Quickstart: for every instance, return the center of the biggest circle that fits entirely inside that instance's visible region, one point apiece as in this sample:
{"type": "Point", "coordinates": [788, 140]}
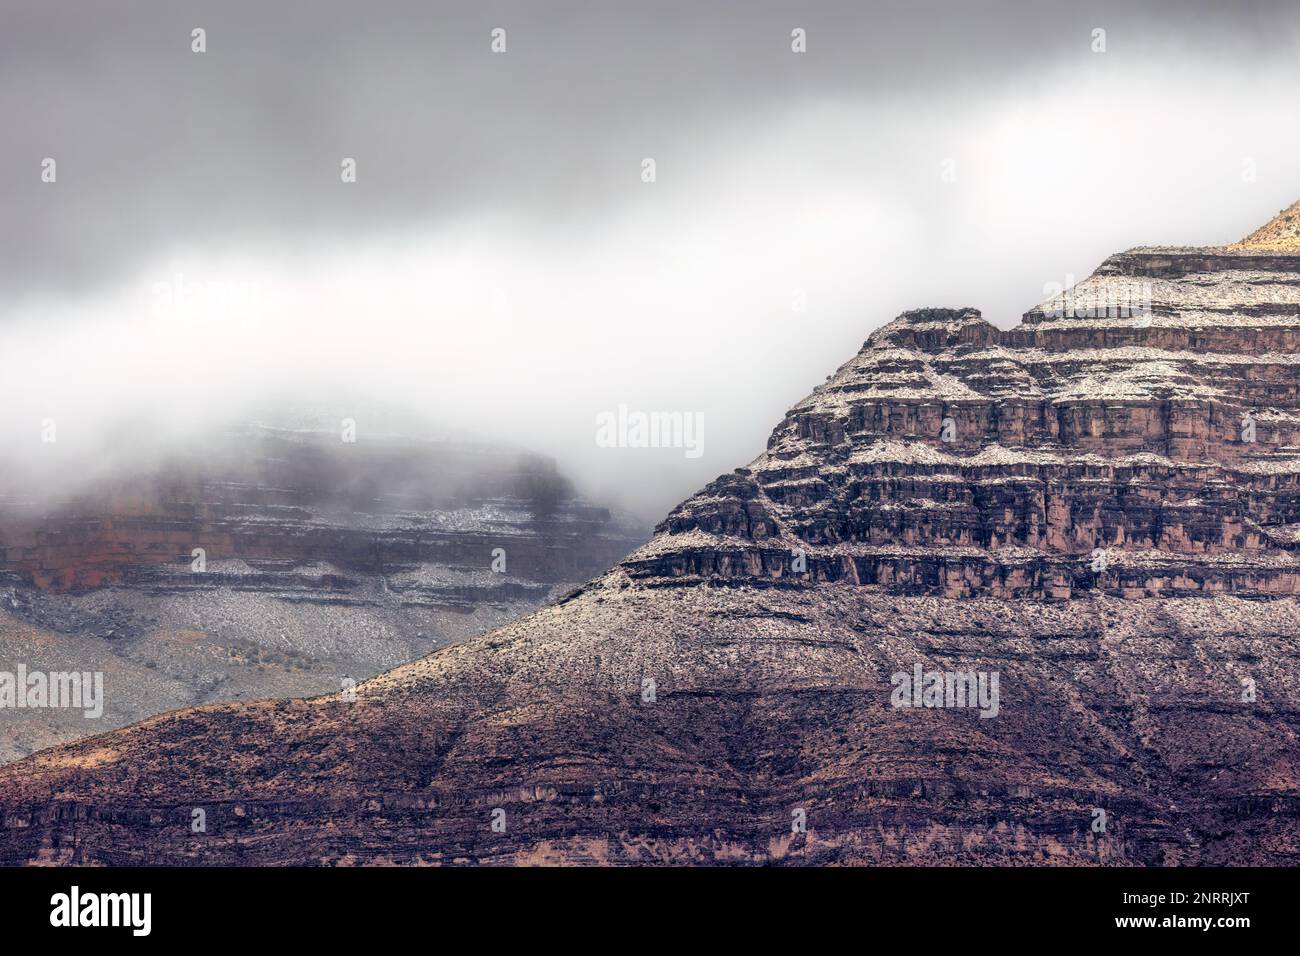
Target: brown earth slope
{"type": "Point", "coordinates": [1280, 232]}
{"type": "Point", "coordinates": [1101, 506]}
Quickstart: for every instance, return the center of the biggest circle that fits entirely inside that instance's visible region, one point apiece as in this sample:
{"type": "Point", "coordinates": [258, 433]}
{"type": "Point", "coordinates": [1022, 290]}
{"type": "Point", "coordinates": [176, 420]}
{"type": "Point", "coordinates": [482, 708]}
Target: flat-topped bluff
{"type": "Point", "coordinates": [1101, 510]}
{"type": "Point", "coordinates": [1139, 435]}
{"type": "Point", "coordinates": [270, 500]}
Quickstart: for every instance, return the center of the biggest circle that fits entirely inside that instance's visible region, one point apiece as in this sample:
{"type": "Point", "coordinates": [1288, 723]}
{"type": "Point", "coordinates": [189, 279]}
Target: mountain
{"type": "Point", "coordinates": [1022, 596]}
{"type": "Point", "coordinates": [321, 561]}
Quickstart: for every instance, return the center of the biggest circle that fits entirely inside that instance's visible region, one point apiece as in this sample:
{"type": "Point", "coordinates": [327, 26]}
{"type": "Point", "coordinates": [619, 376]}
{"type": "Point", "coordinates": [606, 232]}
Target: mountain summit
{"type": "Point", "coordinates": [988, 597]}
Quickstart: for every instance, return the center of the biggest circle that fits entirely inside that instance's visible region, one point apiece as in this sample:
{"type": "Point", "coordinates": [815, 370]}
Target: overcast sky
{"type": "Point", "coordinates": [501, 265]}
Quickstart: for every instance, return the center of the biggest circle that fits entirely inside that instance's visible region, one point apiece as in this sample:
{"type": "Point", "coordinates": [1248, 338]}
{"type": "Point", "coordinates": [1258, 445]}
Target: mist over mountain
{"type": "Point", "coordinates": [1020, 596]}
{"type": "Point", "coordinates": [562, 432]}
{"type": "Point", "coordinates": [290, 555]}
{"type": "Point", "coordinates": [500, 265]}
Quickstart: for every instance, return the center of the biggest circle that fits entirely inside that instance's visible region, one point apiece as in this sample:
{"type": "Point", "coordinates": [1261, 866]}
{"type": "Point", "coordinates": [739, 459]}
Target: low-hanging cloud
{"type": "Point", "coordinates": [500, 263]}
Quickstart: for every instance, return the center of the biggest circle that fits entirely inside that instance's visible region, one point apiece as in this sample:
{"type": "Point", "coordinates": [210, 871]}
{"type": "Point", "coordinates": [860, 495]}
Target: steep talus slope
{"type": "Point", "coordinates": [1100, 506]}
{"type": "Point", "coordinates": [1281, 232]}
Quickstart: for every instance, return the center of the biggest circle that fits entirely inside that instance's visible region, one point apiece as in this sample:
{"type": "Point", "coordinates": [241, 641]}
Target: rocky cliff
{"type": "Point", "coordinates": [278, 561]}
{"type": "Point", "coordinates": [1021, 596]}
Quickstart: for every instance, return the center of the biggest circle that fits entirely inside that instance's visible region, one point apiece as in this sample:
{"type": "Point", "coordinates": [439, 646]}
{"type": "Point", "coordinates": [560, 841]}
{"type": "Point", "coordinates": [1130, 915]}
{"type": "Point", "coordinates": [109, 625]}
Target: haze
{"type": "Point", "coordinates": [500, 265]}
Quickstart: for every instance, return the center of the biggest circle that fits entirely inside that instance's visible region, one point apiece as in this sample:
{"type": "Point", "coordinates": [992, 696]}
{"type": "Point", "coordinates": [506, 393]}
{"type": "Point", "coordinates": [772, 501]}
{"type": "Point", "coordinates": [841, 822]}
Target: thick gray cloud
{"type": "Point", "coordinates": [499, 261]}
{"type": "Point", "coordinates": [157, 145]}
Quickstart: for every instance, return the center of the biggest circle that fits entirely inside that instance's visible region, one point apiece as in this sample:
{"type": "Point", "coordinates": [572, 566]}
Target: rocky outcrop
{"type": "Point", "coordinates": [1078, 537]}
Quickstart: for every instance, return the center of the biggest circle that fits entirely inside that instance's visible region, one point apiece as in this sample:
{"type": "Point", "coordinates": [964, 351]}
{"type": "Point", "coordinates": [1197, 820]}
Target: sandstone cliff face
{"type": "Point", "coordinates": [322, 561]}
{"type": "Point", "coordinates": [1102, 510]}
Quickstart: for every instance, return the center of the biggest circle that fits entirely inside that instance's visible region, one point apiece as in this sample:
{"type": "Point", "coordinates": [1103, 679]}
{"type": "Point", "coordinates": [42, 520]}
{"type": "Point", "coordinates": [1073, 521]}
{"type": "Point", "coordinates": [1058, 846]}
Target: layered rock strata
{"type": "Point", "coordinates": [1099, 508]}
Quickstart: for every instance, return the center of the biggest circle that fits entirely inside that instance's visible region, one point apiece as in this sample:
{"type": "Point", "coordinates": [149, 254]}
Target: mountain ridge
{"type": "Point", "coordinates": [1100, 506]}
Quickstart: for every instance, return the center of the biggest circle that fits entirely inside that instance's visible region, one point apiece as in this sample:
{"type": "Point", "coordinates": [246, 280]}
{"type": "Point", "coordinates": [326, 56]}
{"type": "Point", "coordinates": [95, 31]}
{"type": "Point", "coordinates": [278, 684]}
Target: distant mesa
{"type": "Point", "coordinates": [271, 560]}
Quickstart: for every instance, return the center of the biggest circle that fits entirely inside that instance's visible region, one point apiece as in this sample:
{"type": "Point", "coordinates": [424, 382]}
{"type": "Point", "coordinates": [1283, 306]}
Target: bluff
{"type": "Point", "coordinates": [1099, 507]}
